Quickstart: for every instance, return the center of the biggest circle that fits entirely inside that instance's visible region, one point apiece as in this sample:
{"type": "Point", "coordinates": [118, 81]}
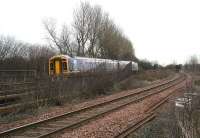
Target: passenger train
{"type": "Point", "coordinates": [64, 65]}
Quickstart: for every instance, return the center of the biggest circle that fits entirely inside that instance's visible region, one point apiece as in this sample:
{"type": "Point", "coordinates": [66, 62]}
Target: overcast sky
{"type": "Point", "coordinates": [160, 30]}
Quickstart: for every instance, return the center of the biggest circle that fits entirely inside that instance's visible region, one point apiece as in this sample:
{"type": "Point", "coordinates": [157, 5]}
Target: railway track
{"type": "Point", "coordinates": [13, 92]}
{"type": "Point", "coordinates": [15, 85]}
{"type": "Point", "coordinates": [16, 93]}
{"type": "Point", "coordinates": [81, 116]}
{"type": "Point", "coordinates": [150, 115]}
{"type": "Point", "coordinates": [136, 126]}
{"type": "Point", "coordinates": [9, 87]}
{"type": "Point", "coordinates": [11, 98]}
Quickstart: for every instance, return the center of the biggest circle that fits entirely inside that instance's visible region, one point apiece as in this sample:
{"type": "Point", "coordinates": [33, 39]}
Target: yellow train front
{"type": "Point", "coordinates": [58, 65]}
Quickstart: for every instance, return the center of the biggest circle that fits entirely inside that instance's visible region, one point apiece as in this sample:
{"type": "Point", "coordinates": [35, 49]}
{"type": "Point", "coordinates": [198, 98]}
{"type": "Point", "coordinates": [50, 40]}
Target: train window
{"type": "Point", "coordinates": [51, 66]}
{"type": "Point", "coordinates": [64, 65]}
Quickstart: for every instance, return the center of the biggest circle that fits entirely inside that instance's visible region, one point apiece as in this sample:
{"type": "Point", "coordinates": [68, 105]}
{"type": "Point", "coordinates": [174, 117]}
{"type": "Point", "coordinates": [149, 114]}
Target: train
{"type": "Point", "coordinates": [64, 65]}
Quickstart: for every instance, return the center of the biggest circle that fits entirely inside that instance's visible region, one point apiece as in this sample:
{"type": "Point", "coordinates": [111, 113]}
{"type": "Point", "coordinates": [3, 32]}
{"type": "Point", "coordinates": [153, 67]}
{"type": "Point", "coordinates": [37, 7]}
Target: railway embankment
{"type": "Point", "coordinates": [45, 111]}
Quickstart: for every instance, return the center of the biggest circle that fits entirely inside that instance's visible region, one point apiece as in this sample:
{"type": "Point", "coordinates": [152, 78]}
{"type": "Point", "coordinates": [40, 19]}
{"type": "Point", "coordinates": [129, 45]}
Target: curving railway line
{"type": "Point", "coordinates": [150, 115]}
{"type": "Point", "coordinates": [76, 118]}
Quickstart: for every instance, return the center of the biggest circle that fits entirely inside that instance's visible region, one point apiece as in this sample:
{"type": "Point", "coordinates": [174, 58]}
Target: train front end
{"type": "Point", "coordinates": [58, 65]}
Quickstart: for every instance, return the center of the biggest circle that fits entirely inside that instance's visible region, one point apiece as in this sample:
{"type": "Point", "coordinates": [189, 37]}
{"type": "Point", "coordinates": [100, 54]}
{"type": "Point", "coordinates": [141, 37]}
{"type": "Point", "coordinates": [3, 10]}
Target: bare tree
{"type": "Point", "coordinates": [113, 43]}
{"type": "Point", "coordinates": [81, 25]}
{"type": "Point", "coordinates": [96, 22]}
{"type": "Point", "coordinates": [105, 37]}
{"type": "Point", "coordinates": [65, 43]}
{"type": "Point", "coordinates": [94, 34]}
{"type": "Point", "coordinates": [62, 41]}
{"type": "Point", "coordinates": [38, 56]}
{"type": "Point", "coordinates": [6, 44]}
{"type": "Point", "coordinates": [193, 63]}
{"type": "Point", "coordinates": [126, 49]}
{"type": "Point", "coordinates": [19, 49]}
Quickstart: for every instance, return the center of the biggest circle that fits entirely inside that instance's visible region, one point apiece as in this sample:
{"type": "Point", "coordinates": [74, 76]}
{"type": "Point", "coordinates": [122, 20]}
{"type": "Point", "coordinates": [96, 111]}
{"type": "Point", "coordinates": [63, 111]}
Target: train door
{"type": "Point", "coordinates": [64, 67]}
{"type": "Point", "coordinates": [57, 67]}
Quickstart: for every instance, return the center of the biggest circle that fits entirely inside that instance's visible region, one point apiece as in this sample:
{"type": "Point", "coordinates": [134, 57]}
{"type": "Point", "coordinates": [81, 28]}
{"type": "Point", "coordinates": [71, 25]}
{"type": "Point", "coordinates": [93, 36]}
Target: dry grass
{"type": "Point", "coordinates": [76, 90]}
{"type": "Point", "coordinates": [153, 75]}
{"type": "Point", "coordinates": [141, 79]}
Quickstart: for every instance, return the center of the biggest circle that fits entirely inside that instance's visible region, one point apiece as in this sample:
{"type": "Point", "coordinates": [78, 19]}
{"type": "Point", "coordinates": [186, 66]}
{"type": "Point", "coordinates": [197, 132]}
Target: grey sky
{"type": "Point", "coordinates": [161, 30]}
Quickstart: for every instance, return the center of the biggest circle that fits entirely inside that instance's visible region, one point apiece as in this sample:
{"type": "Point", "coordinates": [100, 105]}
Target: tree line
{"type": "Point", "coordinates": [92, 34]}
{"type": "Point", "coordinates": [18, 55]}
{"type": "Point", "coordinates": [192, 64]}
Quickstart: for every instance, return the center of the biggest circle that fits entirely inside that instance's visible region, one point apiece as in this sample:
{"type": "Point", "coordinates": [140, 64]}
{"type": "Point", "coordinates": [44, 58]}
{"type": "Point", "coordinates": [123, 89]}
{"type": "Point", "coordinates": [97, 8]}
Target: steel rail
{"type": "Point", "coordinates": [15, 83]}
{"type": "Point", "coordinates": [98, 115]}
{"type": "Point", "coordinates": [150, 116]}
{"type": "Point", "coordinates": [18, 92]}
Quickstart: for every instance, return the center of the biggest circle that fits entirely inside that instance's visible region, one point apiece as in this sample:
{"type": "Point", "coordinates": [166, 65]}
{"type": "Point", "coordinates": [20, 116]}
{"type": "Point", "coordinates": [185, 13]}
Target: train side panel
{"type": "Point", "coordinates": [63, 64]}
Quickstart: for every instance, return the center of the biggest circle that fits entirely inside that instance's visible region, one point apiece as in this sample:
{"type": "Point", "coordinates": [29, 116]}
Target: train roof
{"type": "Point", "coordinates": [101, 59]}
{"type": "Point", "coordinates": [60, 56]}
{"type": "Point", "coordinates": [89, 59]}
